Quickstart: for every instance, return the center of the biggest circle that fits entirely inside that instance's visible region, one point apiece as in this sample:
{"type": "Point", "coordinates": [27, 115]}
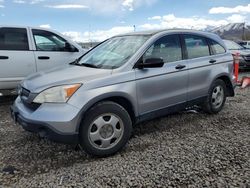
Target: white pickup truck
{"type": "Point", "coordinates": [26, 50]}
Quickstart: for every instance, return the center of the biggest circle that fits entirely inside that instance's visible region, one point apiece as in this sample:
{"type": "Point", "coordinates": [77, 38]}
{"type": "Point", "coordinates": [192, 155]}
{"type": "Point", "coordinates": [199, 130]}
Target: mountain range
{"type": "Point", "coordinates": [233, 31]}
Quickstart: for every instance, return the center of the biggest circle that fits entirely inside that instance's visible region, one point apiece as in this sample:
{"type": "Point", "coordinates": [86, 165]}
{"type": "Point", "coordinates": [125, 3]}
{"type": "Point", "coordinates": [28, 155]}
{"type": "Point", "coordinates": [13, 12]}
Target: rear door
{"type": "Point", "coordinates": [159, 88]}
{"type": "Point", "coordinates": [16, 57]}
{"type": "Point", "coordinates": [51, 50]}
{"type": "Point", "coordinates": [201, 60]}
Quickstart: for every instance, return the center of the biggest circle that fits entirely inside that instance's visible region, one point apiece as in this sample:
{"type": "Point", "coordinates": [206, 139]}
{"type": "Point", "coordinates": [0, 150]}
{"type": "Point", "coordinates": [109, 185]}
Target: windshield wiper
{"type": "Point", "coordinates": [87, 65]}
{"type": "Point", "coordinates": [83, 64]}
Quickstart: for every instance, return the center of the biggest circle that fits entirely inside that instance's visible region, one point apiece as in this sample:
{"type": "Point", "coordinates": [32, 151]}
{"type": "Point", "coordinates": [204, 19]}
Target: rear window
{"type": "Point", "coordinates": [13, 39]}
{"type": "Point", "coordinates": [196, 46]}
{"type": "Point", "coordinates": [216, 47]}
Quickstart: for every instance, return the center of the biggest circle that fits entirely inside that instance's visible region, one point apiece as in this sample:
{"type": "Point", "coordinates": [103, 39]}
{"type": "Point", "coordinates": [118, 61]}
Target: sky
{"type": "Point", "coordinates": [96, 20]}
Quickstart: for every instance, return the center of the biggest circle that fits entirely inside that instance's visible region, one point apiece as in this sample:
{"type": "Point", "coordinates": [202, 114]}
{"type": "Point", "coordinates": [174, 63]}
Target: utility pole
{"type": "Point", "coordinates": [243, 34]}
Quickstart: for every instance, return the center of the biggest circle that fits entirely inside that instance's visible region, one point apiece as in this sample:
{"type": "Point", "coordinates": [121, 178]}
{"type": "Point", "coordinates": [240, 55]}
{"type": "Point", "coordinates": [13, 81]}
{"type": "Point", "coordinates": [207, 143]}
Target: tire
{"type": "Point", "coordinates": [216, 98]}
{"type": "Point", "coordinates": [105, 129]}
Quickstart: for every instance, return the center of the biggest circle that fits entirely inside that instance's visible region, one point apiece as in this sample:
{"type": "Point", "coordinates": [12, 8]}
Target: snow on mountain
{"type": "Point", "coordinates": [233, 31]}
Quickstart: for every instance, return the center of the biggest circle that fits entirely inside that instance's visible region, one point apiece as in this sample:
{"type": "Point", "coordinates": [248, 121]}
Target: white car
{"type": "Point", "coordinates": [26, 50]}
{"type": "Point", "coordinates": [245, 44]}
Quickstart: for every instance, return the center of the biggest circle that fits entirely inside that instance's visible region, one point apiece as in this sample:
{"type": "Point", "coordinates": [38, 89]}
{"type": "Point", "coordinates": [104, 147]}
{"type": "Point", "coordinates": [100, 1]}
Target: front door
{"type": "Point", "coordinates": [51, 50]}
{"type": "Point", "coordinates": [159, 88]}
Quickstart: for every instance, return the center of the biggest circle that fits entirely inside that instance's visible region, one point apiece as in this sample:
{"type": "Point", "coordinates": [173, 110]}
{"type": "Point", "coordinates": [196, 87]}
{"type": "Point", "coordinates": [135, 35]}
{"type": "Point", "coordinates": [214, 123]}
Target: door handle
{"type": "Point", "coordinates": [212, 61]}
{"type": "Point", "coordinates": [4, 57]}
{"type": "Point", "coordinates": [43, 57]}
{"type": "Point", "coordinates": [179, 67]}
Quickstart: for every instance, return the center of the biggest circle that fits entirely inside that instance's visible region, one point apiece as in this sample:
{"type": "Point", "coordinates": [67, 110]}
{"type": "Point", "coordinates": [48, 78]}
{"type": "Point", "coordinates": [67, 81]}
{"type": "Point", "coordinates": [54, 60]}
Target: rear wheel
{"type": "Point", "coordinates": [105, 129]}
{"type": "Point", "coordinates": [216, 97]}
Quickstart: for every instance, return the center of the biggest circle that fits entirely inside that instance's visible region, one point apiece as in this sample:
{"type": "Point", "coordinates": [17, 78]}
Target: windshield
{"type": "Point", "coordinates": [114, 52]}
{"type": "Point", "coordinates": [231, 45]}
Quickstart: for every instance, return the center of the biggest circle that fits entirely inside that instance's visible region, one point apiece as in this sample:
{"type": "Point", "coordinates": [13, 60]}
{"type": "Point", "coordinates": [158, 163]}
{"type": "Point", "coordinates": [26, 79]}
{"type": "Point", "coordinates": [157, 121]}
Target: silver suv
{"type": "Point", "coordinates": [125, 80]}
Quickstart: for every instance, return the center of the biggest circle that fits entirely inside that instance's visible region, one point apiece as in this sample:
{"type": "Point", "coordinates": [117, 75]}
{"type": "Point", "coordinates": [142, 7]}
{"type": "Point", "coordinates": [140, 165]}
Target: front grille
{"type": "Point", "coordinates": [28, 100]}
{"type": "Point", "coordinates": [24, 93]}
{"type": "Point", "coordinates": [247, 58]}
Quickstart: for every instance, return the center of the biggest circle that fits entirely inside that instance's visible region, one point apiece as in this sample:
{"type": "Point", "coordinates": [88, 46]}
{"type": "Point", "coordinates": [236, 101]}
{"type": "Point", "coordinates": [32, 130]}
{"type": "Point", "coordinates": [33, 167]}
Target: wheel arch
{"type": "Point", "coordinates": [119, 98]}
{"type": "Point", "coordinates": [229, 85]}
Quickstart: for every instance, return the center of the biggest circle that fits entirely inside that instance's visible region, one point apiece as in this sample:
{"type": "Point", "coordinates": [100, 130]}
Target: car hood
{"type": "Point", "coordinates": [242, 52]}
{"type": "Point", "coordinates": [62, 75]}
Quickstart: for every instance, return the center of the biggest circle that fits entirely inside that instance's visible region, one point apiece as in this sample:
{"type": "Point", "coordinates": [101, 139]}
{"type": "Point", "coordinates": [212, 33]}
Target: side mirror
{"type": "Point", "coordinates": [70, 48]}
{"type": "Point", "coordinates": [151, 63]}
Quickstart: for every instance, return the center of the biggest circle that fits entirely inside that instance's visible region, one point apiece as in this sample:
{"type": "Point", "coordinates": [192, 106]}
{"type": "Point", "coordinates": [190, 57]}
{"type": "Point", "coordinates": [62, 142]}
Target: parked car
{"type": "Point", "coordinates": [245, 44]}
{"type": "Point", "coordinates": [123, 81]}
{"type": "Point", "coordinates": [244, 53]}
{"type": "Point", "coordinates": [26, 50]}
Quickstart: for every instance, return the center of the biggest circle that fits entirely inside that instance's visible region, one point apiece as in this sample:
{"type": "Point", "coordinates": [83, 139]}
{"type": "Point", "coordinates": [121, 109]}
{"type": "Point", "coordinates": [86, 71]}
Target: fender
{"type": "Point", "coordinates": [228, 82]}
{"type": "Point", "coordinates": [103, 97]}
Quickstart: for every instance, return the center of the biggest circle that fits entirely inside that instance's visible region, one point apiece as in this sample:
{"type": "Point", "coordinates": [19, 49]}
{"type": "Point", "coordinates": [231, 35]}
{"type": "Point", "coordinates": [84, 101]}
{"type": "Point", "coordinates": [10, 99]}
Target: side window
{"type": "Point", "coordinates": [14, 39]}
{"type": "Point", "coordinates": [168, 48]}
{"type": "Point", "coordinates": [196, 46]}
{"type": "Point", "coordinates": [216, 47]}
{"type": "Point", "coordinates": [48, 41]}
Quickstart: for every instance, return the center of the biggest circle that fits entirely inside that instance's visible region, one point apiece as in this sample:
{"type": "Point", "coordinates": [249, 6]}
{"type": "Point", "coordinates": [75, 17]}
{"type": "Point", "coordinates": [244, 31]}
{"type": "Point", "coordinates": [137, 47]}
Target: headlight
{"type": "Point", "coordinates": [58, 94]}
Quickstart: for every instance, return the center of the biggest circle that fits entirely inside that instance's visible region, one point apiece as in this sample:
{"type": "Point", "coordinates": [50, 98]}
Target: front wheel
{"type": "Point", "coordinates": [216, 97]}
{"type": "Point", "coordinates": [105, 129]}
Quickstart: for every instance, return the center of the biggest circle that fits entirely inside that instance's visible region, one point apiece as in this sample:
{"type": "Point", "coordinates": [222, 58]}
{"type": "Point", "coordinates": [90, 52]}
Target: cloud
{"type": "Point", "coordinates": [159, 22]}
{"type": "Point", "coordinates": [19, 1]}
{"type": "Point", "coordinates": [47, 26]}
{"type": "Point", "coordinates": [133, 4]}
{"type": "Point", "coordinates": [108, 7]}
{"type": "Point", "coordinates": [96, 6]}
{"type": "Point", "coordinates": [103, 7]}
{"type": "Point", "coordinates": [128, 4]}
{"type": "Point", "coordinates": [155, 18]}
{"type": "Point", "coordinates": [36, 1]}
{"type": "Point", "coordinates": [2, 6]}
{"type": "Point", "coordinates": [236, 18]}
{"type": "Point", "coordinates": [68, 6]}
{"type": "Point", "coordinates": [171, 21]}
{"type": "Point", "coordinates": [98, 35]}
{"type": "Point", "coordinates": [28, 1]}
{"type": "Point", "coordinates": [230, 10]}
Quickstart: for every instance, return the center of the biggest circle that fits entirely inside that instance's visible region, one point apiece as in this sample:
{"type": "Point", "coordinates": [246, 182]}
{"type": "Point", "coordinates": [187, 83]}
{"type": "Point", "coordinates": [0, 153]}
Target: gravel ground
{"type": "Point", "coordinates": [181, 150]}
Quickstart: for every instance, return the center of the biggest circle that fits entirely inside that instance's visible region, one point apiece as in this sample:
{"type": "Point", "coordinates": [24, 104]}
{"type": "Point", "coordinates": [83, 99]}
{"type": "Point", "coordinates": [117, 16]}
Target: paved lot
{"type": "Point", "coordinates": [184, 149]}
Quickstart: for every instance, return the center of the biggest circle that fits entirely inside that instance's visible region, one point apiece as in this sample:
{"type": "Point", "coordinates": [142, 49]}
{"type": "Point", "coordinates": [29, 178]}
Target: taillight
{"type": "Point", "coordinates": [236, 66]}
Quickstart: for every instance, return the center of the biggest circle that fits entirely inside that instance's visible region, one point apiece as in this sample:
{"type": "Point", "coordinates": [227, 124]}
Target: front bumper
{"type": "Point", "coordinates": [244, 64]}
{"type": "Point", "coordinates": [57, 122]}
